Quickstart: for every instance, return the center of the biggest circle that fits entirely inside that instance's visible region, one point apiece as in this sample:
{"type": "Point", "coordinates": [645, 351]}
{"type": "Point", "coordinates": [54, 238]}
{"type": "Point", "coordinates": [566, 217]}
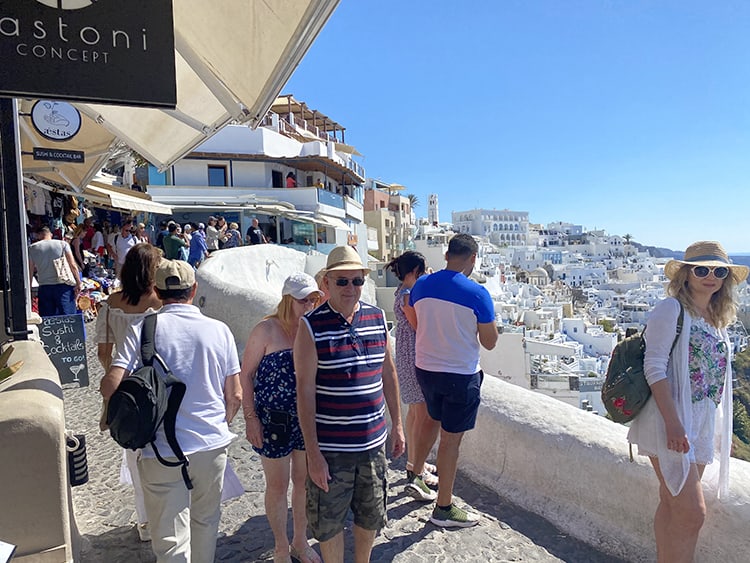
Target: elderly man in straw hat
{"type": "Point", "coordinates": [345, 379]}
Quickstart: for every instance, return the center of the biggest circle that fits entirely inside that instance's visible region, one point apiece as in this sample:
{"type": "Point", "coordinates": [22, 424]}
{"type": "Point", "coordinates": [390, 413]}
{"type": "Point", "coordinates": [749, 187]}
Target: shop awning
{"type": "Point", "coordinates": [281, 209]}
{"type": "Point", "coordinates": [232, 58]}
{"type": "Point", "coordinates": [343, 147]}
{"type": "Point", "coordinates": [329, 221]}
{"type": "Point", "coordinates": [114, 198]}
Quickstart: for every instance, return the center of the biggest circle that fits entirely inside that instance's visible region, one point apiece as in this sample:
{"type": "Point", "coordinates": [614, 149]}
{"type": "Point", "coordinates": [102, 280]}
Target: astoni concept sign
{"type": "Point", "coordinates": [105, 51]}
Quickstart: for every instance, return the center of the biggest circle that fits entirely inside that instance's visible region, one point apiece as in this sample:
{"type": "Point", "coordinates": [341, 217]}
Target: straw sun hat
{"type": "Point", "coordinates": [707, 253]}
{"type": "Point", "coordinates": [345, 258]}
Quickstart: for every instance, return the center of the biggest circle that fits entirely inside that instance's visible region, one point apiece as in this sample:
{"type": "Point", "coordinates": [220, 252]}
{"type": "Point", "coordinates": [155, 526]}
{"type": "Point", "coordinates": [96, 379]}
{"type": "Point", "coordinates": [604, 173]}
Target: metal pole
{"type": "Point", "coordinates": [12, 228]}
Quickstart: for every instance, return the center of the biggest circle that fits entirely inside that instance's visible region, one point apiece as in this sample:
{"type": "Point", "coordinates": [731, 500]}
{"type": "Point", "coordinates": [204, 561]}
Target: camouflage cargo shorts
{"type": "Point", "coordinates": [357, 482]}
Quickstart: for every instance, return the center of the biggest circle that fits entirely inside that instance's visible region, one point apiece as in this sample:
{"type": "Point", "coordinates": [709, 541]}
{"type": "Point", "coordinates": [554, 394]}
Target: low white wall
{"type": "Point", "coordinates": [572, 467]}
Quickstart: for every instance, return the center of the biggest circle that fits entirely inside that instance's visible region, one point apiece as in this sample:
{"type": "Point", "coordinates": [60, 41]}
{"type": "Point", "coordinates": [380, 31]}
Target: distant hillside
{"type": "Point", "coordinates": [658, 252]}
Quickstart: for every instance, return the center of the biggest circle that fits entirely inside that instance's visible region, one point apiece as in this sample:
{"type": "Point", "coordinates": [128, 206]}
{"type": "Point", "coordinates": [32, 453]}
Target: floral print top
{"type": "Point", "coordinates": [707, 362]}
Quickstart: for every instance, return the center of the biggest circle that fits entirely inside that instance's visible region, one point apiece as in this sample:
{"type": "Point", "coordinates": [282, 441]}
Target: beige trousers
{"type": "Point", "coordinates": [184, 524]}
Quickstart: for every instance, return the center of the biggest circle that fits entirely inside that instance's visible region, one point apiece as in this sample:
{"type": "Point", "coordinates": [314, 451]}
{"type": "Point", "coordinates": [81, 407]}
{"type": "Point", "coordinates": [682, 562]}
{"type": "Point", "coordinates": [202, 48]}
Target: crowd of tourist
{"type": "Point", "coordinates": [317, 376]}
{"type": "Point", "coordinates": [96, 253]}
{"type": "Point", "coordinates": [315, 381]}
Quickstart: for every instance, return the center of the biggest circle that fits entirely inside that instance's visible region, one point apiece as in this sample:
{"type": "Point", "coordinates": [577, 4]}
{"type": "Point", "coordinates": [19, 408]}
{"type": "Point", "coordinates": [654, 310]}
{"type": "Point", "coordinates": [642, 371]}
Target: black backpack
{"type": "Point", "coordinates": [144, 400]}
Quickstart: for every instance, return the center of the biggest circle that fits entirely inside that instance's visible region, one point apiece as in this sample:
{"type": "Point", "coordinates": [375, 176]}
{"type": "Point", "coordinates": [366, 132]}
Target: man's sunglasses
{"type": "Point", "coordinates": [343, 282]}
{"type": "Point", "coordinates": [720, 272]}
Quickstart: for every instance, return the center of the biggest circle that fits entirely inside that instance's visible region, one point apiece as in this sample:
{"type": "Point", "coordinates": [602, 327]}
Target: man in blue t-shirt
{"type": "Point", "coordinates": [454, 316]}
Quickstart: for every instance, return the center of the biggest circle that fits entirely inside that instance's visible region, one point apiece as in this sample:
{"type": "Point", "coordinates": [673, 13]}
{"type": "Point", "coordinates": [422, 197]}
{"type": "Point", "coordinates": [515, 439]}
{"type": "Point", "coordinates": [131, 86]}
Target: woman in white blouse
{"type": "Point", "coordinates": [691, 405]}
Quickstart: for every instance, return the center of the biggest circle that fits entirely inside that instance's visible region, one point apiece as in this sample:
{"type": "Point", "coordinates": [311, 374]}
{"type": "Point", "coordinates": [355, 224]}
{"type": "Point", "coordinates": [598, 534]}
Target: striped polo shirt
{"type": "Point", "coordinates": [350, 408]}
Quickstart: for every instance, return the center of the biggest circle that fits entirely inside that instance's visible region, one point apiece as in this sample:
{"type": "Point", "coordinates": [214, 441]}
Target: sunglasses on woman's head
{"type": "Point", "coordinates": [720, 272]}
{"type": "Point", "coordinates": [343, 282]}
{"type": "Point", "coordinates": [307, 301]}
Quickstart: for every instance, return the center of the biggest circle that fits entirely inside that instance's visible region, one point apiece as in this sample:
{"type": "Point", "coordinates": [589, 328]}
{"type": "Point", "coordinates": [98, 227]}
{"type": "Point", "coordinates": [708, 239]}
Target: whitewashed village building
{"type": "Point", "coordinates": [501, 227]}
{"type": "Point", "coordinates": [389, 214]}
{"type": "Point", "coordinates": [243, 173]}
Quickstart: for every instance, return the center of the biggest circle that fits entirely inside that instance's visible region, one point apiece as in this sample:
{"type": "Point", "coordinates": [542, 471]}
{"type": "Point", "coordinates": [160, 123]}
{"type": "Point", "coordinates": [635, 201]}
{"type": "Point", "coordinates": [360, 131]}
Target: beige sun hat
{"type": "Point", "coordinates": [174, 274]}
{"type": "Point", "coordinates": [707, 253]}
{"type": "Point", "coordinates": [345, 258]}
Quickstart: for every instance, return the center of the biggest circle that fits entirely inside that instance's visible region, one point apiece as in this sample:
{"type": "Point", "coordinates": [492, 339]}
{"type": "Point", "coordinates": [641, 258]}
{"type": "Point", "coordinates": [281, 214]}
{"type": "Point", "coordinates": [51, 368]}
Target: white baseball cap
{"type": "Point", "coordinates": [300, 285]}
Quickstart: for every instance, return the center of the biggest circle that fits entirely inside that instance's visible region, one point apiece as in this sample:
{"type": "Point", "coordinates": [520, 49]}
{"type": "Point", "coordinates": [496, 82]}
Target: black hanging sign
{"type": "Point", "coordinates": [58, 155]}
{"type": "Point", "coordinates": [64, 340]}
{"type": "Point", "coordinates": [105, 51]}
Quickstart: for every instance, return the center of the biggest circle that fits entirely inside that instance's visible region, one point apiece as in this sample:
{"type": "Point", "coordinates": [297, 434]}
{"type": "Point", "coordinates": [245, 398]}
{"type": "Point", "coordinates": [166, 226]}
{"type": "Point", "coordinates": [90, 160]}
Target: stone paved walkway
{"type": "Point", "coordinates": [105, 514]}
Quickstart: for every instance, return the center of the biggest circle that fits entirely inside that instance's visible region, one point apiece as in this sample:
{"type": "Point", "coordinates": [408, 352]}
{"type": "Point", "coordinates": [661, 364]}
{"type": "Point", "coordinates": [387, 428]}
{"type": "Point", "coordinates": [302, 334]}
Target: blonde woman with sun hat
{"type": "Point", "coordinates": [691, 405]}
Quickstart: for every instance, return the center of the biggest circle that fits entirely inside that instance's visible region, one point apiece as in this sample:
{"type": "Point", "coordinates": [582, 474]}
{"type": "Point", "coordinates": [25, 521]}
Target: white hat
{"type": "Point", "coordinates": [300, 286]}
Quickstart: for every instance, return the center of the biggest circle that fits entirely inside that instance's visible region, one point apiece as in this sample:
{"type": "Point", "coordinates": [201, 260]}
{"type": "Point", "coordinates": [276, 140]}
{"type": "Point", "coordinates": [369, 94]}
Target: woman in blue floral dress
{"type": "Point", "coordinates": [690, 409]}
{"type": "Point", "coordinates": [408, 267]}
{"type": "Point", "coordinates": [269, 404]}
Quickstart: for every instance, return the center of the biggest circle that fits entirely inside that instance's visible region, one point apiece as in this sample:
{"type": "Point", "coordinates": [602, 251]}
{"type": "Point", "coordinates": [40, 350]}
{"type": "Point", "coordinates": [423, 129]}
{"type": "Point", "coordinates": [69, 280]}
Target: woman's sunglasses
{"type": "Point", "coordinates": [343, 282]}
{"type": "Point", "coordinates": [307, 300]}
{"type": "Point", "coordinates": [720, 272]}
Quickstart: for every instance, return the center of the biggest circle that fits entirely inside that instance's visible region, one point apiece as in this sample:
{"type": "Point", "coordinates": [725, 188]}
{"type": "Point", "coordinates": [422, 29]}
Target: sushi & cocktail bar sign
{"type": "Point", "coordinates": [103, 51]}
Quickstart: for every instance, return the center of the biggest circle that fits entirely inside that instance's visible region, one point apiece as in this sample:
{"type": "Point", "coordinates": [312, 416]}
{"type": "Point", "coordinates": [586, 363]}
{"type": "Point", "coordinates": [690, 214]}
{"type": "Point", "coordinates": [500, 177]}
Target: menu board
{"type": "Point", "coordinates": [64, 340]}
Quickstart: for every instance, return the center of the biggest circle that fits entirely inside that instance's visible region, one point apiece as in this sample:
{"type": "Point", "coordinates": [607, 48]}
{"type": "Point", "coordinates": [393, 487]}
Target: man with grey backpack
{"type": "Point", "coordinates": [201, 353]}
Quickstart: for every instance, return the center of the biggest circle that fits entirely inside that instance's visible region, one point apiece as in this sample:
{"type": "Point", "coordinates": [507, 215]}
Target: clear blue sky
{"type": "Point", "coordinates": [626, 115]}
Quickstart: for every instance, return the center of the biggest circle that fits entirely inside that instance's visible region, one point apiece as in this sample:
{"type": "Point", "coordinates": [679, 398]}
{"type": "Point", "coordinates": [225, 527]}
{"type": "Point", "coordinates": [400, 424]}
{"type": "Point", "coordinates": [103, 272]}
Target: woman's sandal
{"type": "Point", "coordinates": [309, 555]}
{"type": "Point", "coordinates": [430, 479]}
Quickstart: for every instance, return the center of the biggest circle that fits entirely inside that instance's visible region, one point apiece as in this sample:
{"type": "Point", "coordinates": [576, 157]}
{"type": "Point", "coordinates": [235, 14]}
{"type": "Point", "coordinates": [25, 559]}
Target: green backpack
{"type": "Point", "coordinates": [625, 390]}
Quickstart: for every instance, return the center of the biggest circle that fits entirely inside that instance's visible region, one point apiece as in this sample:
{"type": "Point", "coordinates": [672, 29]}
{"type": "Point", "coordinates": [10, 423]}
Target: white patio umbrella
{"type": "Point", "coordinates": [231, 58]}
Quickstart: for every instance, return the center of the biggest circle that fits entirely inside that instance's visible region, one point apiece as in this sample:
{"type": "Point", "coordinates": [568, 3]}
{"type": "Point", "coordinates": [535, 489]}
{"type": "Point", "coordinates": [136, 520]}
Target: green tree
{"type": "Point", "coordinates": [741, 422]}
{"type": "Point", "coordinates": [741, 363]}
{"type": "Point", "coordinates": [627, 237]}
{"type": "Point", "coordinates": [413, 200]}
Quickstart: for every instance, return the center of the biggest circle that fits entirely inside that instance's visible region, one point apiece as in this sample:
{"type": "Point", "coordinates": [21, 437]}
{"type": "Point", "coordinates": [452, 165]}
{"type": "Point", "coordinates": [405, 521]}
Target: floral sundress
{"type": "Point", "coordinates": [406, 339]}
{"type": "Point", "coordinates": [276, 390]}
{"type": "Point", "coordinates": [707, 364]}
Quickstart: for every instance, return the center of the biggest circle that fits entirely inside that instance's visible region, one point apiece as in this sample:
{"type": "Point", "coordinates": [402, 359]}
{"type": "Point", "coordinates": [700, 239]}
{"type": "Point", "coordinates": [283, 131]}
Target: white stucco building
{"type": "Point", "coordinates": [294, 173]}
{"type": "Point", "coordinates": [503, 227]}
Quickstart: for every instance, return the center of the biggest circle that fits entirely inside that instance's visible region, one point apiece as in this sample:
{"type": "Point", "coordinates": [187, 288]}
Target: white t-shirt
{"type": "Point", "coordinates": [97, 241]}
{"type": "Point", "coordinates": [212, 238]}
{"type": "Point", "coordinates": [201, 352]}
{"type": "Point", "coordinates": [122, 245]}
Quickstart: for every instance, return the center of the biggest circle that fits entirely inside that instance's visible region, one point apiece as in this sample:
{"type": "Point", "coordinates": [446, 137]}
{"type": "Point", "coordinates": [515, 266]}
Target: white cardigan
{"type": "Point", "coordinates": [648, 429]}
